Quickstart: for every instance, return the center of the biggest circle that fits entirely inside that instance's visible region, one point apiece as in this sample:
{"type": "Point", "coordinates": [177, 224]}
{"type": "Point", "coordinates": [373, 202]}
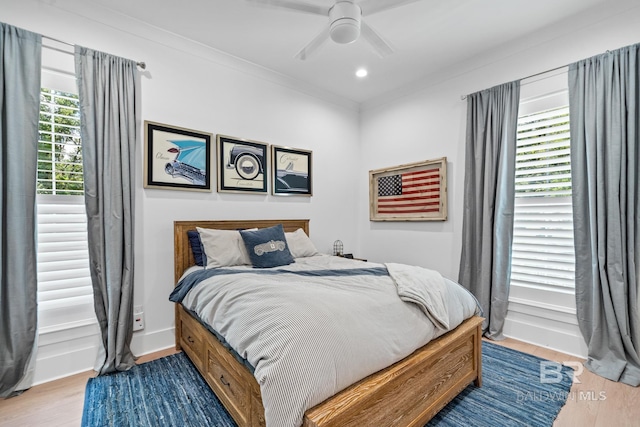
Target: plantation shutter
{"type": "Point", "coordinates": [65, 294]}
{"type": "Point", "coordinates": [543, 252]}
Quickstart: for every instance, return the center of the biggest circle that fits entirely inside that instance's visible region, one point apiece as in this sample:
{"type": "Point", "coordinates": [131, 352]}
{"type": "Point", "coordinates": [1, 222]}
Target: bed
{"type": "Point", "coordinates": [407, 393]}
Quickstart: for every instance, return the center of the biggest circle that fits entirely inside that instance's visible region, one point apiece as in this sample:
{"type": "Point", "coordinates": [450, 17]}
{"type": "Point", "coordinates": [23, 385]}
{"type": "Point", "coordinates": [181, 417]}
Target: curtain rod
{"type": "Point", "coordinates": [463, 97]}
{"type": "Point", "coordinates": [139, 64]}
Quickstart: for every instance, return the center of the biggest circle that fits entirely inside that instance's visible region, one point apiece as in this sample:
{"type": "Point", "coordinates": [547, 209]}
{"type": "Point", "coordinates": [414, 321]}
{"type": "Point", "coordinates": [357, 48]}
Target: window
{"type": "Point", "coordinates": [59, 149]}
{"type": "Point", "coordinates": [543, 253]}
{"type": "Point", "coordinates": [65, 295]}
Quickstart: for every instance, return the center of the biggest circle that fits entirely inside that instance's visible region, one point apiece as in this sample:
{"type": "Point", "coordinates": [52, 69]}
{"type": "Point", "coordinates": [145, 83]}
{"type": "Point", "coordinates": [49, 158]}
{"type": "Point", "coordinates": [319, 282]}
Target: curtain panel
{"type": "Point", "coordinates": [605, 157]}
{"type": "Point", "coordinates": [489, 186]}
{"type": "Point", "coordinates": [20, 63]}
{"type": "Point", "coordinates": [109, 112]}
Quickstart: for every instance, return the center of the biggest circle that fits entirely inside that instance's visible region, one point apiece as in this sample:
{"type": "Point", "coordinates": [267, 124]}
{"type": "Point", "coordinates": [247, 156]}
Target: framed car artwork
{"type": "Point", "coordinates": [176, 158]}
{"type": "Point", "coordinates": [291, 173]}
{"type": "Point", "coordinates": [243, 165]}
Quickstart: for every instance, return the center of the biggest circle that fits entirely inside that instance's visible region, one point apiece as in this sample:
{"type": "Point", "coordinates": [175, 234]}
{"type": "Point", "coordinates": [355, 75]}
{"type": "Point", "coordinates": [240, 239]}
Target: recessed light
{"type": "Point", "coordinates": [361, 73]}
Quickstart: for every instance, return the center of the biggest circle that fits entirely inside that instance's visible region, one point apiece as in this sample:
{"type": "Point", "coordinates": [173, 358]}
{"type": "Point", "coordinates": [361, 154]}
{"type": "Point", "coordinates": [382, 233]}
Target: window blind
{"type": "Point", "coordinates": [543, 252]}
{"type": "Point", "coordinates": [65, 294]}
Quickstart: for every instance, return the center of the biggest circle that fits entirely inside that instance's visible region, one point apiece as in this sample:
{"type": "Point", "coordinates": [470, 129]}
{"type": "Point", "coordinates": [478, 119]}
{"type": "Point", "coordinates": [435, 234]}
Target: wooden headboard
{"type": "Point", "coordinates": [183, 257]}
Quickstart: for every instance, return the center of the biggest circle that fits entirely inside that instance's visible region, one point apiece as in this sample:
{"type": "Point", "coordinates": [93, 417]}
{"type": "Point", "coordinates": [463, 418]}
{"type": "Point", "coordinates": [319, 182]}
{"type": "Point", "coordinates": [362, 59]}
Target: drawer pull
{"type": "Point", "coordinates": [191, 341]}
{"type": "Point", "coordinates": [223, 381]}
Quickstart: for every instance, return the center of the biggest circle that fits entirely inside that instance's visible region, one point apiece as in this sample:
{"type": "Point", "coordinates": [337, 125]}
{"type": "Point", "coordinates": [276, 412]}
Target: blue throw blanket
{"type": "Point", "coordinates": [188, 282]}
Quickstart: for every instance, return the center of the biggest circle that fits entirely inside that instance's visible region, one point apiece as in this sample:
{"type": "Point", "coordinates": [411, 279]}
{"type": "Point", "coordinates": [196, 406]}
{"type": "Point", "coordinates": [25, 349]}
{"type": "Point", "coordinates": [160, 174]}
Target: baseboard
{"type": "Point", "coordinates": [142, 344]}
{"type": "Point", "coordinates": [557, 331]}
{"type": "Point", "coordinates": [64, 363]}
{"type": "Point", "coordinates": [71, 352]}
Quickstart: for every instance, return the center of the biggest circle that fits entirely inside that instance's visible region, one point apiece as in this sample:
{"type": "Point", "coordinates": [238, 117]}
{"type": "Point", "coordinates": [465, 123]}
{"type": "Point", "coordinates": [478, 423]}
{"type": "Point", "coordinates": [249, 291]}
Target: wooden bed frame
{"type": "Point", "coordinates": [407, 393]}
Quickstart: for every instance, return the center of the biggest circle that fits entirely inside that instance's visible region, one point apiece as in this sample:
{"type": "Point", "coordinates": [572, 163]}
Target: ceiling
{"type": "Point", "coordinates": [427, 36]}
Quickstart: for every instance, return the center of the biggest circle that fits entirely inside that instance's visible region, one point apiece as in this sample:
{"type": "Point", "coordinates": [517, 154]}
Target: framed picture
{"type": "Point", "coordinates": [291, 171]}
{"type": "Point", "coordinates": [243, 165]}
{"type": "Point", "coordinates": [411, 192]}
{"type": "Point", "coordinates": [176, 158]}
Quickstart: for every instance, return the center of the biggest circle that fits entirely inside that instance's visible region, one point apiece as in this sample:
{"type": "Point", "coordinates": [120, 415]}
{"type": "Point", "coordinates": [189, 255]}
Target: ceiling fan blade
{"type": "Point", "coordinates": [381, 47]}
{"type": "Point", "coordinates": [314, 44]}
{"type": "Point", "coordinates": [369, 7]}
{"type": "Point", "coordinates": [300, 6]}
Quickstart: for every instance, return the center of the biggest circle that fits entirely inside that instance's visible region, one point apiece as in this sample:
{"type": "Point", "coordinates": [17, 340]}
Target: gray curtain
{"type": "Point", "coordinates": [20, 60]}
{"type": "Point", "coordinates": [605, 157]}
{"type": "Point", "coordinates": [109, 112]}
{"type": "Point", "coordinates": [489, 183]}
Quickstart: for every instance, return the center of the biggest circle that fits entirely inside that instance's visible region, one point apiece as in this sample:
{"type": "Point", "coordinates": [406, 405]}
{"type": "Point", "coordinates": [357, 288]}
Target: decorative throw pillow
{"type": "Point", "coordinates": [300, 245]}
{"type": "Point", "coordinates": [223, 248]}
{"type": "Point", "coordinates": [196, 248]}
{"type": "Point", "coordinates": [267, 247]}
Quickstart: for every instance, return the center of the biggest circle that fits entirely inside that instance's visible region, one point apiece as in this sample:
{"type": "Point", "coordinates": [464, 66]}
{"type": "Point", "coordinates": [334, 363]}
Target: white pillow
{"type": "Point", "coordinates": [299, 244]}
{"type": "Point", "coordinates": [223, 248]}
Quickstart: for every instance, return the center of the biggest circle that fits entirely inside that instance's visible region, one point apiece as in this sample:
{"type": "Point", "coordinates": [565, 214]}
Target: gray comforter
{"type": "Point", "coordinates": [310, 333]}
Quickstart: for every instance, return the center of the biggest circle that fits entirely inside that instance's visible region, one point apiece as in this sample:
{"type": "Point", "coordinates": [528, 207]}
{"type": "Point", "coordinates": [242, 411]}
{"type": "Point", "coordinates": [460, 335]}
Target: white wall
{"type": "Point", "coordinates": [410, 130]}
{"type": "Point", "coordinates": [191, 86]}
{"type": "Point", "coordinates": [429, 122]}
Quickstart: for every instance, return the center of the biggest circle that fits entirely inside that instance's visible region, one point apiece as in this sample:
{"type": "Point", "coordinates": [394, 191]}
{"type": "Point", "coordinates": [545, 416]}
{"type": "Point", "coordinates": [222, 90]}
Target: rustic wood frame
{"type": "Point", "coordinates": [437, 212]}
{"type": "Point", "coordinates": [407, 393]}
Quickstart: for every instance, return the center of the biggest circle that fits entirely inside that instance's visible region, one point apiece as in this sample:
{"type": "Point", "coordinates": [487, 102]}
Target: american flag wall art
{"type": "Point", "coordinates": [412, 192]}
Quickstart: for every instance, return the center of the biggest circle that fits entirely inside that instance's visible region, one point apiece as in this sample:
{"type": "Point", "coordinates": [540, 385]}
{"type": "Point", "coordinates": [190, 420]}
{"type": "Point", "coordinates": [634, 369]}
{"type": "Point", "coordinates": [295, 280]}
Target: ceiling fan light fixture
{"type": "Point", "coordinates": [345, 31]}
{"type": "Point", "coordinates": [345, 22]}
{"type": "Point", "coordinates": [345, 25]}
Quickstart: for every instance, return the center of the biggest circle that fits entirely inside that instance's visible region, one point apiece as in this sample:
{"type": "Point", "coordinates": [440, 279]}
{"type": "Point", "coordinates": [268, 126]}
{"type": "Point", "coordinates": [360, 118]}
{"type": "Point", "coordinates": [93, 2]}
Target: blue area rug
{"type": "Point", "coordinates": [512, 392]}
{"type": "Point", "coordinates": [170, 392]}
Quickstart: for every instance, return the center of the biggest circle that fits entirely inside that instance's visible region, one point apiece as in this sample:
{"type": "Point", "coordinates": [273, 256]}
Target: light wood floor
{"type": "Point", "coordinates": [593, 402]}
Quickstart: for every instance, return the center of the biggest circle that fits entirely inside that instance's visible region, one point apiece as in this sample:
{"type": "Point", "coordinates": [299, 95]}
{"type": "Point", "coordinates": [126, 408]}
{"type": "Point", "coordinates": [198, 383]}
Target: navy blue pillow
{"type": "Point", "coordinates": [196, 247]}
{"type": "Point", "coordinates": [267, 247]}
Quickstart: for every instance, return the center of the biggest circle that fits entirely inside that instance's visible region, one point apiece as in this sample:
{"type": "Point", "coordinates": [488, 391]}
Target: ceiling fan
{"type": "Point", "coordinates": [345, 24]}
